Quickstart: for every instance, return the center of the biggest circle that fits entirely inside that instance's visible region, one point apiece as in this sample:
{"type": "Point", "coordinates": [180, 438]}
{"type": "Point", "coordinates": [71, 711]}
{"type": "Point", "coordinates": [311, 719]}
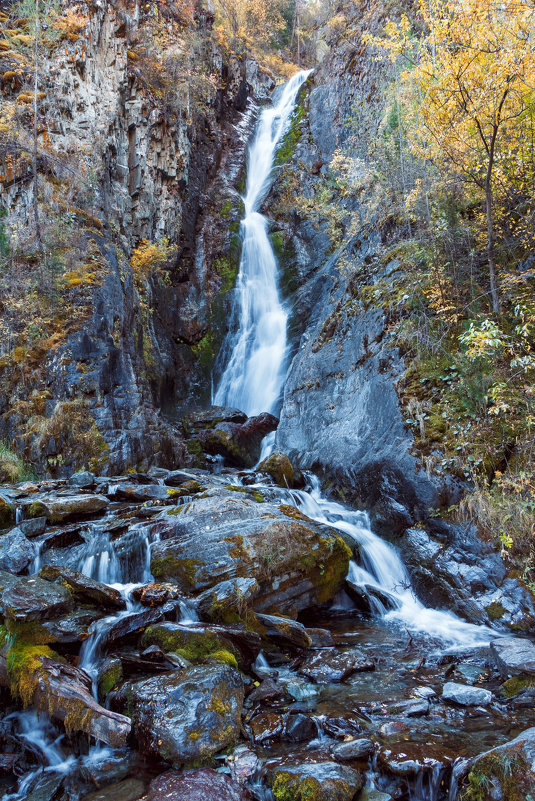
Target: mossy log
{"type": "Point", "coordinates": [62, 691]}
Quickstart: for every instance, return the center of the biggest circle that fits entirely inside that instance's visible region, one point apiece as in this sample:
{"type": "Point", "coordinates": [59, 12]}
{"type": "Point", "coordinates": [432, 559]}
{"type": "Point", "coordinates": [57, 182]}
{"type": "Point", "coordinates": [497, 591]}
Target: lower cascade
{"type": "Point", "coordinates": [238, 619]}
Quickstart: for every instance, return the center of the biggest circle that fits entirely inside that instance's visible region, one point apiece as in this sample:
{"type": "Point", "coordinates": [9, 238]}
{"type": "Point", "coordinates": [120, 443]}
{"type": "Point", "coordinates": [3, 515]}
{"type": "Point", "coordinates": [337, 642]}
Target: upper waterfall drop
{"type": "Point", "coordinates": [256, 346]}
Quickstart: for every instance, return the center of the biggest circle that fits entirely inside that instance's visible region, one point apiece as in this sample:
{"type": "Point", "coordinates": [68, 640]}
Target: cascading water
{"type": "Point", "coordinates": [254, 375]}
{"type": "Point", "coordinates": [256, 347]}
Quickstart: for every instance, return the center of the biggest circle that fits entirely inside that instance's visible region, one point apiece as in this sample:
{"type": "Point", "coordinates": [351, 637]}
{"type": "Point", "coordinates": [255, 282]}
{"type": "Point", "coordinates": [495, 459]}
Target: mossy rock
{"type": "Point", "coordinates": [109, 676]}
{"type": "Point", "coordinates": [7, 514]}
{"type": "Point", "coordinates": [319, 781]}
{"type": "Point", "coordinates": [194, 644]}
{"type": "Point", "coordinates": [279, 467]}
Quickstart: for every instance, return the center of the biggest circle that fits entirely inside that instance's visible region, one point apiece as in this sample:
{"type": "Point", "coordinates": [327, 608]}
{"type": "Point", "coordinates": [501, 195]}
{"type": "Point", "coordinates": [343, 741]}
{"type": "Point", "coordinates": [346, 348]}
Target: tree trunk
{"type": "Point", "coordinates": [490, 246]}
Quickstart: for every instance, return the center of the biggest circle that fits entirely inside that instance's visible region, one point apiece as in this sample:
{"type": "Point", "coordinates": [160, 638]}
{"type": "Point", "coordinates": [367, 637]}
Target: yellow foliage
{"type": "Point", "coordinates": [71, 23]}
{"type": "Point", "coordinates": [149, 258]}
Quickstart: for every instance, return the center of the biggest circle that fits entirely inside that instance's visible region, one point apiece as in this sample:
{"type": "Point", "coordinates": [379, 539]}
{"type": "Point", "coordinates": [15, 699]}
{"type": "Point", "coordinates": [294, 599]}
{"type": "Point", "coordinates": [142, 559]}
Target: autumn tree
{"type": "Point", "coordinates": [248, 25]}
{"type": "Point", "coordinates": [473, 73]}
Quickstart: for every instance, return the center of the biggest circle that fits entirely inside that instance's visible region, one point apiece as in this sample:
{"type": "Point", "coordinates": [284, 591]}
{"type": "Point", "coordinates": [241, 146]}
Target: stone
{"type": "Point", "coordinates": [321, 638]}
{"type": "Point", "coordinates": [136, 493]}
{"type": "Point", "coordinates": [152, 594]}
{"type": "Point", "coordinates": [238, 443]}
{"type": "Point", "coordinates": [34, 598]}
{"type": "Point", "coordinates": [361, 748]}
{"type": "Point", "coordinates": [16, 551]}
{"type": "Point", "coordinates": [300, 728]}
{"type": "Point", "coordinates": [243, 763]}
{"type": "Point", "coordinates": [198, 642]}
{"type": "Point", "coordinates": [71, 507]}
{"type": "Point", "coordinates": [178, 478]}
{"type": "Point", "coordinates": [297, 563]}
{"type": "Point", "coordinates": [411, 708]}
{"type": "Point", "coordinates": [188, 714]}
{"type": "Point", "coordinates": [369, 794]}
{"type": "Point", "coordinates": [33, 527]}
{"type": "Point", "coordinates": [466, 695]}
{"type": "Point", "coordinates": [266, 726]}
{"type": "Point", "coordinates": [282, 630]}
{"type": "Point", "coordinates": [410, 759]}
{"type": "Point", "coordinates": [279, 467]}
{"type": "Point", "coordinates": [127, 790]}
{"type": "Point", "coordinates": [208, 418]}
{"type": "Point", "coordinates": [203, 784]}
{"type": "Point", "coordinates": [394, 730]}
{"type": "Point", "coordinates": [330, 665]}
{"type": "Point", "coordinates": [83, 479]}
{"type": "Point", "coordinates": [131, 624]}
{"type": "Point", "coordinates": [506, 772]}
{"type": "Point", "coordinates": [321, 781]}
{"type": "Point", "coordinates": [228, 600]}
{"type": "Point", "coordinates": [84, 588]}
{"type": "Point", "coordinates": [513, 656]}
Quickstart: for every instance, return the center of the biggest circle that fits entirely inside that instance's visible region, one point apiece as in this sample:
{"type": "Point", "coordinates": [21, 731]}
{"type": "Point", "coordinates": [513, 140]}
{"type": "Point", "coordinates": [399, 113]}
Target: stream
{"type": "Point", "coordinates": [414, 649]}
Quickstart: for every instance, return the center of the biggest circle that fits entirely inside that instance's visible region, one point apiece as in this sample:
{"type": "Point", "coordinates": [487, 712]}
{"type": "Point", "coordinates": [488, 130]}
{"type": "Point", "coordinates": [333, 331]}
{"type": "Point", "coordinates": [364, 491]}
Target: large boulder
{"type": "Point", "coordinates": [187, 715]}
{"type": "Point", "coordinates": [195, 785]}
{"type": "Point", "coordinates": [227, 601]}
{"type": "Point", "coordinates": [279, 467]}
{"type": "Point", "coordinates": [196, 642]}
{"type": "Point", "coordinates": [513, 656]}
{"type": "Point", "coordinates": [34, 598]}
{"type": "Point", "coordinates": [464, 695]}
{"type": "Point", "coordinates": [238, 443]}
{"type": "Point", "coordinates": [202, 419]}
{"type": "Point", "coordinates": [297, 562]}
{"type": "Point", "coordinates": [60, 508]}
{"type": "Point", "coordinates": [315, 781]}
{"type": "Point", "coordinates": [86, 589]}
{"type": "Point", "coordinates": [16, 552]}
{"type": "Point", "coordinates": [506, 773]}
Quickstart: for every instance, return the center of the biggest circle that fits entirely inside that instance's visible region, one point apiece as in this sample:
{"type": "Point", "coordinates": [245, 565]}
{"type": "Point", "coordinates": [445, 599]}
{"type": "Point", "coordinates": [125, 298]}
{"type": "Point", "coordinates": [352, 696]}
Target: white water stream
{"type": "Point", "coordinates": [257, 349]}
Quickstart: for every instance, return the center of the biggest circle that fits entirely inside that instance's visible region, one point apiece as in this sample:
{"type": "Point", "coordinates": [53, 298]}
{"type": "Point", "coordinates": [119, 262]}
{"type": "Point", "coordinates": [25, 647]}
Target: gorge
{"type": "Point", "coordinates": [239, 567]}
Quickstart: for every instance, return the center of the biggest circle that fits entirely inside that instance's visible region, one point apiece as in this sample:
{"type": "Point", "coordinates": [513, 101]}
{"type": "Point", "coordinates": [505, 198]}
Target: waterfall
{"type": "Point", "coordinates": [254, 374]}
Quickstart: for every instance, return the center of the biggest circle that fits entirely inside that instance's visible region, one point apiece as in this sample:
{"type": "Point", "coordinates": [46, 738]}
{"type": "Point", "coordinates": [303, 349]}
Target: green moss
{"type": "Point", "coordinates": [516, 684]}
{"type": "Point", "coordinates": [31, 632]}
{"type": "Point", "coordinates": [289, 787]}
{"type": "Point", "coordinates": [24, 664]}
{"type": "Point", "coordinates": [37, 509]}
{"type": "Point", "coordinates": [110, 678]}
{"type": "Point", "coordinates": [192, 645]}
{"type": "Point", "coordinates": [291, 138]}
{"type": "Point", "coordinates": [174, 567]}
{"type": "Point", "coordinates": [247, 491]}
{"type": "Point", "coordinates": [495, 610]}
{"type": "Point", "coordinates": [226, 657]}
{"type": "Point", "coordinates": [204, 349]}
{"type": "Point", "coordinates": [227, 270]}
{"type": "Point", "coordinates": [7, 514]}
{"type": "Point", "coordinates": [226, 208]}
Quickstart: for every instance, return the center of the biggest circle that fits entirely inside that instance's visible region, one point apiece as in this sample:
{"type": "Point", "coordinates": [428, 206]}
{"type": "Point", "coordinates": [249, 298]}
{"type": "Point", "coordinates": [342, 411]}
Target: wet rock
{"type": "Point", "coordinates": [188, 488]}
{"type": "Point", "coordinates": [239, 444]}
{"type": "Point", "coordinates": [410, 708]}
{"type": "Point", "coordinates": [58, 509]}
{"type": "Point", "coordinates": [188, 714]}
{"type": "Point", "coordinates": [177, 478]}
{"type": "Point", "coordinates": [287, 632]}
{"type": "Point", "coordinates": [152, 594]}
{"type": "Point", "coordinates": [424, 692]}
{"type": "Point", "coordinates": [353, 749]}
{"type": "Point", "coordinates": [343, 727]}
{"type": "Point", "coordinates": [131, 624]}
{"type": "Point", "coordinates": [321, 638]}
{"type": "Point", "coordinates": [279, 467]}
{"type": "Point", "coordinates": [198, 642]}
{"type": "Point", "coordinates": [513, 656]}
{"type": "Point", "coordinates": [34, 598]}
{"type": "Point", "coordinates": [268, 689]}
{"type": "Point", "coordinates": [16, 552]}
{"type": "Point", "coordinates": [331, 665]}
{"type": "Point", "coordinates": [228, 600]}
{"type": "Point", "coordinates": [33, 527]}
{"type": "Point", "coordinates": [71, 628]}
{"type": "Point", "coordinates": [321, 781]}
{"type": "Point", "coordinates": [243, 763]}
{"type": "Point", "coordinates": [83, 479]}
{"type": "Point", "coordinates": [84, 588]}
{"type": "Point", "coordinates": [369, 794]}
{"type": "Point", "coordinates": [127, 790]}
{"type": "Point", "coordinates": [46, 789]}
{"type": "Point", "coordinates": [196, 785]}
{"type": "Point", "coordinates": [465, 695]}
{"type": "Point", "coordinates": [506, 773]}
{"type": "Point", "coordinates": [394, 730]}
{"type": "Point", "coordinates": [110, 674]}
{"type": "Point", "coordinates": [296, 562]}
{"type": "Point", "coordinates": [134, 493]}
{"type": "Point", "coordinates": [7, 513]}
{"type": "Point", "coordinates": [413, 759]}
{"type": "Point", "coordinates": [472, 673]}
{"type": "Point", "coordinates": [300, 728]}
{"type": "Point", "coordinates": [266, 726]}
{"type": "Point", "coordinates": [210, 418]}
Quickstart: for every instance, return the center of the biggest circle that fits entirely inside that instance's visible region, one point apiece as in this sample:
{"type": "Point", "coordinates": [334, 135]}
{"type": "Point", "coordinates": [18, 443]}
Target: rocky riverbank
{"type": "Point", "coordinates": [194, 620]}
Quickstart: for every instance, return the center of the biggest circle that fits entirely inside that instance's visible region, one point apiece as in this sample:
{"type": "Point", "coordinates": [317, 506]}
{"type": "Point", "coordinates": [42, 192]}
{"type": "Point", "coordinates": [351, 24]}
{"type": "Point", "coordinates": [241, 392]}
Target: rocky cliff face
{"type": "Point", "coordinates": [94, 390]}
